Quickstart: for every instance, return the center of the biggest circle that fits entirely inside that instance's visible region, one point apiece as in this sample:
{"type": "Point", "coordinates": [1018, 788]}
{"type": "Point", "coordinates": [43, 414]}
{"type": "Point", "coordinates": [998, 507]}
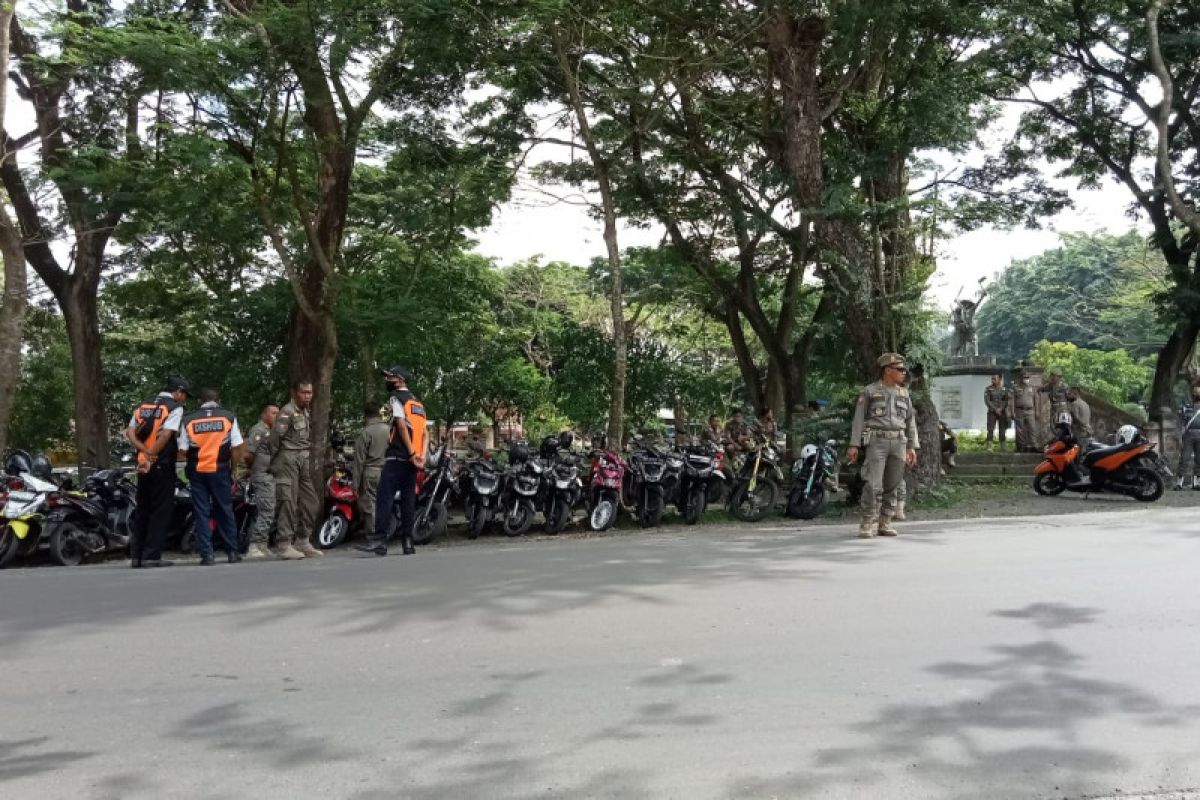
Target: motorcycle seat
{"type": "Point", "coordinates": [1092, 456]}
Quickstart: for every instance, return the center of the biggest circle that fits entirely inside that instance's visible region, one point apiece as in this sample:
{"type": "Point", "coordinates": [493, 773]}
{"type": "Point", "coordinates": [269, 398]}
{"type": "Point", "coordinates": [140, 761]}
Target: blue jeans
{"type": "Point", "coordinates": [212, 497]}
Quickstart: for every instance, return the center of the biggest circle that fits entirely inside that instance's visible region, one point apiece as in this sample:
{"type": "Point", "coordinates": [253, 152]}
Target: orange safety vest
{"type": "Point", "coordinates": [149, 418]}
{"type": "Point", "coordinates": [208, 431]}
{"type": "Point", "coordinates": [414, 419]}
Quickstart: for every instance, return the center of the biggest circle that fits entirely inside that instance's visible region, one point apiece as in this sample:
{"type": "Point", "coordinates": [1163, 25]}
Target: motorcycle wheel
{"type": "Point", "coordinates": [65, 549]}
{"type": "Point", "coordinates": [809, 506]}
{"type": "Point", "coordinates": [518, 519]}
{"type": "Point", "coordinates": [750, 506]}
{"type": "Point", "coordinates": [714, 492]}
{"type": "Point", "coordinates": [1049, 484]}
{"type": "Point", "coordinates": [478, 520]}
{"type": "Point", "coordinates": [558, 518]}
{"type": "Point", "coordinates": [9, 545]}
{"type": "Point", "coordinates": [429, 524]}
{"type": "Point", "coordinates": [603, 515]}
{"type": "Point", "coordinates": [1152, 486]}
{"type": "Point", "coordinates": [332, 531]}
{"type": "Point", "coordinates": [695, 507]}
{"type": "Point", "coordinates": [651, 513]}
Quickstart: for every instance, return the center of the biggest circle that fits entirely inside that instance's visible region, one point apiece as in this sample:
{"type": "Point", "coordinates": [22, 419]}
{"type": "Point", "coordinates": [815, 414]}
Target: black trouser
{"type": "Point", "coordinates": [397, 476]}
{"type": "Point", "coordinates": [155, 502]}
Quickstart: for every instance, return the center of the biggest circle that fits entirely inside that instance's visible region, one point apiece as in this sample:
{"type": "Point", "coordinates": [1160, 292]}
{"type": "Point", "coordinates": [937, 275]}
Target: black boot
{"type": "Point", "coordinates": [234, 556]}
{"type": "Point", "coordinates": [407, 543]}
{"type": "Point", "coordinates": [379, 548]}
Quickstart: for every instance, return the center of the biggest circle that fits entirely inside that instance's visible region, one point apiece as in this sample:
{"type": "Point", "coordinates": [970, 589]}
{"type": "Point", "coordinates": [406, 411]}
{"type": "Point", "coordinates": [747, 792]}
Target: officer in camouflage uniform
{"type": "Point", "coordinates": [997, 398]}
{"type": "Point", "coordinates": [1057, 389]}
{"type": "Point", "coordinates": [1024, 408]}
{"type": "Point", "coordinates": [370, 452]}
{"type": "Point", "coordinates": [295, 497]}
{"type": "Point", "coordinates": [476, 446]}
{"type": "Point", "coordinates": [1081, 417]}
{"type": "Point", "coordinates": [885, 427]}
{"type": "Point", "coordinates": [258, 458]}
{"type": "Point", "coordinates": [1189, 450]}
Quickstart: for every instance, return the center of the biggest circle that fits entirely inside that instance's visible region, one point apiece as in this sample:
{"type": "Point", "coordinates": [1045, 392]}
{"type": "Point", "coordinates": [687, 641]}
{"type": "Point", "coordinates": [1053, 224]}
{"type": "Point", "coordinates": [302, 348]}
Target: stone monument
{"type": "Point", "coordinates": [958, 391]}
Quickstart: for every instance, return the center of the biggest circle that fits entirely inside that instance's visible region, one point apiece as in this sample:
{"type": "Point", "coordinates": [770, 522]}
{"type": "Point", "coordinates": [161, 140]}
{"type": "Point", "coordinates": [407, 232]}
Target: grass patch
{"type": "Point", "coordinates": [951, 494]}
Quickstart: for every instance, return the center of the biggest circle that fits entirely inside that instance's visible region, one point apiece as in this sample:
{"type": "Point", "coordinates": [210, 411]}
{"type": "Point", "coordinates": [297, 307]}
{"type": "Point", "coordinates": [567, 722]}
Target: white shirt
{"type": "Point", "coordinates": [397, 409]}
{"type": "Point", "coordinates": [173, 420]}
{"type": "Point", "coordinates": [234, 437]}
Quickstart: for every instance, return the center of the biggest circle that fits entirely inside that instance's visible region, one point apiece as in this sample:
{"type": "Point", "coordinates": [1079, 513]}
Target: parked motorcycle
{"type": "Point", "coordinates": [481, 485]}
{"type": "Point", "coordinates": [1130, 467]}
{"type": "Point", "coordinates": [757, 484]}
{"type": "Point", "coordinates": [604, 497]}
{"type": "Point", "coordinates": [94, 521]}
{"type": "Point", "coordinates": [700, 470]}
{"type": "Point", "coordinates": [341, 505]}
{"type": "Point", "coordinates": [653, 474]}
{"type": "Point", "coordinates": [814, 478]}
{"type": "Point", "coordinates": [561, 486]}
{"type": "Point", "coordinates": [23, 516]}
{"type": "Point", "coordinates": [519, 499]}
{"type": "Point", "coordinates": [436, 482]}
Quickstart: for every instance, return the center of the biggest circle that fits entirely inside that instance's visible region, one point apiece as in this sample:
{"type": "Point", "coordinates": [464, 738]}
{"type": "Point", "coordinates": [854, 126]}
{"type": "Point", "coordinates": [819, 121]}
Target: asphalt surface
{"type": "Point", "coordinates": [1041, 657]}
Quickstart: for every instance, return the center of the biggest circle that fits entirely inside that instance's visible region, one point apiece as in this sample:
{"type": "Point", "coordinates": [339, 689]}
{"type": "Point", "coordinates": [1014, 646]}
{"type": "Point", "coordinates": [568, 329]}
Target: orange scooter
{"type": "Point", "coordinates": [1128, 468]}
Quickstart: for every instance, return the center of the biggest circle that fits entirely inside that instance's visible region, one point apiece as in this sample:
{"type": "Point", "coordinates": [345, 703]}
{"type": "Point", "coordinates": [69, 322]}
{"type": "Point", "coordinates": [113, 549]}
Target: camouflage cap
{"type": "Point", "coordinates": [891, 360]}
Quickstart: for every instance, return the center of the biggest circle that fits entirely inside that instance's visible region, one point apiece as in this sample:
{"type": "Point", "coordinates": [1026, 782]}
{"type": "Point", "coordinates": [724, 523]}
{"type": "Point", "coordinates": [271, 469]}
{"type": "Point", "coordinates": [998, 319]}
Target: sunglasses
{"type": "Point", "coordinates": [898, 369]}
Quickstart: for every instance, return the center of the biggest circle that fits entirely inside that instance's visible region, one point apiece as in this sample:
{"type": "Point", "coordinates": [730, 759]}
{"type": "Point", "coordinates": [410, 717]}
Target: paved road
{"type": "Point", "coordinates": [1057, 657]}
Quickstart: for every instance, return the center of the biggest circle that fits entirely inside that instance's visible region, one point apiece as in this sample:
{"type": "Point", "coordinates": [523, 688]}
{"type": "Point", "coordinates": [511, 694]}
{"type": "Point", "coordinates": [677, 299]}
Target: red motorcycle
{"type": "Point", "coordinates": [604, 497]}
{"type": "Point", "coordinates": [341, 504]}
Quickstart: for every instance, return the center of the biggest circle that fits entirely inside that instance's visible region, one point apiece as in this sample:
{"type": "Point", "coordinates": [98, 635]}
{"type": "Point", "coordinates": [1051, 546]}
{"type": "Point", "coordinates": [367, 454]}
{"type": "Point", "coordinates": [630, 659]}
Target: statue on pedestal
{"type": "Point", "coordinates": [965, 340]}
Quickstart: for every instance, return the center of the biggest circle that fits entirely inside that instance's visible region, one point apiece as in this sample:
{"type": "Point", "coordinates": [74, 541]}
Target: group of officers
{"type": "Point", "coordinates": [277, 451]}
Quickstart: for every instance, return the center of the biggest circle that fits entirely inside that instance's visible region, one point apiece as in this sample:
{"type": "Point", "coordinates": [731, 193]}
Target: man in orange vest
{"type": "Point", "coordinates": [152, 431]}
{"type": "Point", "coordinates": [212, 442]}
{"type": "Point", "coordinates": [405, 455]}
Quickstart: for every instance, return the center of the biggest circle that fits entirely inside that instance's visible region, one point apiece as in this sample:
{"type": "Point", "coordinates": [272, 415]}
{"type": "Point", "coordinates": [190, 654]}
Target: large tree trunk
{"type": "Point", "coordinates": [80, 312]}
{"type": "Point", "coordinates": [15, 301]}
{"type": "Point", "coordinates": [1172, 360]}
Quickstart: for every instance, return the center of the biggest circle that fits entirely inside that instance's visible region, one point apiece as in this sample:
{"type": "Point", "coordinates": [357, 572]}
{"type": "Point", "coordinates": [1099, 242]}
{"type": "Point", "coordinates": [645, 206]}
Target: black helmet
{"type": "Point", "coordinates": [518, 453]}
{"type": "Point", "coordinates": [565, 440]}
{"type": "Point", "coordinates": [17, 462]}
{"type": "Point", "coordinates": [549, 447]}
{"type": "Point", "coordinates": [42, 468]}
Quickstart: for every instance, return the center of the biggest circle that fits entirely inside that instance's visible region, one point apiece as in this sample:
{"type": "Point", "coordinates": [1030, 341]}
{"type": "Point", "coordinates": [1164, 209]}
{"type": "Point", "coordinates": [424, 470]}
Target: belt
{"type": "Point", "coordinates": [1024, 408]}
{"type": "Point", "coordinates": [887, 434]}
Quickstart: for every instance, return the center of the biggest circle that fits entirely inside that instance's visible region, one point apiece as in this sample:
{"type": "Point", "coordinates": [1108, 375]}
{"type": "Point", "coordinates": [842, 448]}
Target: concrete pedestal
{"type": "Point", "coordinates": [958, 391]}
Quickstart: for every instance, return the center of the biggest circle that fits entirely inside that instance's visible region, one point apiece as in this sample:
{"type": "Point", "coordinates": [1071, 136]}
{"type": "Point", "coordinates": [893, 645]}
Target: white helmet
{"type": "Point", "coordinates": [1064, 418]}
{"type": "Point", "coordinates": [808, 451]}
{"type": "Point", "coordinates": [1126, 434]}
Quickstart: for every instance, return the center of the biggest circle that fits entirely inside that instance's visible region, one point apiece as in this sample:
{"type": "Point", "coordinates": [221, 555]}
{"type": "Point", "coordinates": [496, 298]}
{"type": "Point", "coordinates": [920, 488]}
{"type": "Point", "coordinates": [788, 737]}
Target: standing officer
{"type": "Point", "coordinates": [152, 431]}
{"type": "Point", "coordinates": [997, 399]}
{"type": "Point", "coordinates": [295, 497]}
{"type": "Point", "coordinates": [886, 425]}
{"type": "Point", "coordinates": [1189, 450]}
{"type": "Point", "coordinates": [1023, 399]}
{"type": "Point", "coordinates": [1081, 417]}
{"type": "Point", "coordinates": [712, 434]}
{"type": "Point", "coordinates": [258, 458]}
{"type": "Point", "coordinates": [212, 442]}
{"type": "Point", "coordinates": [405, 455]}
{"type": "Point", "coordinates": [370, 452]}
{"type": "Point", "coordinates": [1057, 389]}
{"type": "Point", "coordinates": [476, 447]}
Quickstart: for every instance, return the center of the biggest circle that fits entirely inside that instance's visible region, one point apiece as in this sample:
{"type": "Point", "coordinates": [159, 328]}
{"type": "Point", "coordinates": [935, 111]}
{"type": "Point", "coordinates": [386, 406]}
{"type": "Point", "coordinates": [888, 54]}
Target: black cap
{"type": "Point", "coordinates": [178, 383]}
{"type": "Point", "coordinates": [398, 372]}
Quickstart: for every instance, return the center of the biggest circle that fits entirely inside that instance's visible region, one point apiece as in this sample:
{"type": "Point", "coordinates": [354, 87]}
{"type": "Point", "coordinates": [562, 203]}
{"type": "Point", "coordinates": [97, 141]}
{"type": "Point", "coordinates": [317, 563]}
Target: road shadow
{"type": "Point", "coordinates": [500, 587]}
{"type": "Point", "coordinates": [20, 758]}
{"type": "Point", "coordinates": [1017, 719]}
